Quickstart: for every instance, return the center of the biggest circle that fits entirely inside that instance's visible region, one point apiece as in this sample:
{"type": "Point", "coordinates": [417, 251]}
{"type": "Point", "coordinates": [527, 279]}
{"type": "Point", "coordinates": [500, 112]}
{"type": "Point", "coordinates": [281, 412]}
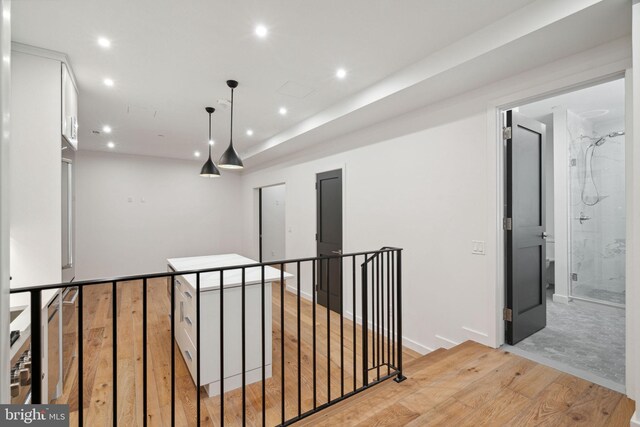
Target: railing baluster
{"type": "Point", "coordinates": [393, 306]}
{"type": "Point", "coordinates": [144, 352]}
{"type": "Point", "coordinates": [80, 357]}
{"type": "Point", "coordinates": [282, 379]}
{"type": "Point", "coordinates": [221, 347]}
{"type": "Point", "coordinates": [264, 362]}
{"type": "Point", "coordinates": [173, 350]}
{"type": "Point", "coordinates": [313, 308]}
{"type": "Point", "coordinates": [365, 325]}
{"type": "Point", "coordinates": [341, 329]}
{"type": "Point", "coordinates": [388, 331]}
{"type": "Point", "coordinates": [379, 337]}
{"type": "Point", "coordinates": [36, 347]}
{"type": "Point", "coordinates": [244, 356]}
{"type": "Point", "coordinates": [299, 367]}
{"type": "Point", "coordinates": [198, 352]}
{"type": "Point", "coordinates": [353, 319]}
{"type": "Point", "coordinates": [114, 346]}
{"type": "Point", "coordinates": [328, 330]}
{"type": "Point", "coordinates": [400, 376]}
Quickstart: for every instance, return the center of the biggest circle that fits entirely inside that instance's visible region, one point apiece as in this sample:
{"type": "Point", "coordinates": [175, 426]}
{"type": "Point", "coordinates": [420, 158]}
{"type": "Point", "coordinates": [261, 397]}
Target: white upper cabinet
{"type": "Point", "coordinates": [69, 108]}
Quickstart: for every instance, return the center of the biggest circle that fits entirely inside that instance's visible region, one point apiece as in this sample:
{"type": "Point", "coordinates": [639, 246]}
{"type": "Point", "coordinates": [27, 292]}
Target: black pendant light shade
{"type": "Point", "coordinates": [230, 158]}
{"type": "Point", "coordinates": [209, 169]}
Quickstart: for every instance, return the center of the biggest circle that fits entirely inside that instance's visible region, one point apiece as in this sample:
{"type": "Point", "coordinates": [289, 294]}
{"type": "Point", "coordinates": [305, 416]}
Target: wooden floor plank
{"type": "Point", "coordinates": [469, 384]}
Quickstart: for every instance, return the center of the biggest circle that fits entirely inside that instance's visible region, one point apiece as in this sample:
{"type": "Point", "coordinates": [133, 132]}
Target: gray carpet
{"type": "Point", "coordinates": [583, 335]}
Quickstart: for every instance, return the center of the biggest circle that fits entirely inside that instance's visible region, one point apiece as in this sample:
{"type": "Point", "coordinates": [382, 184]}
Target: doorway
{"type": "Point", "coordinates": [565, 232]}
{"type": "Point", "coordinates": [329, 238]}
{"type": "Point", "coordinates": [272, 233]}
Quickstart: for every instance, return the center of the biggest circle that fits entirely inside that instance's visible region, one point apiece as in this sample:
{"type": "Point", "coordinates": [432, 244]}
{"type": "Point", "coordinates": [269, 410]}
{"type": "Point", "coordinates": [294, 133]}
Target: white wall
{"type": "Point", "coordinates": [5, 134]}
{"type": "Point", "coordinates": [35, 187]}
{"type": "Point", "coordinates": [273, 222]}
{"type": "Point", "coordinates": [173, 212]}
{"type": "Point", "coordinates": [422, 186]}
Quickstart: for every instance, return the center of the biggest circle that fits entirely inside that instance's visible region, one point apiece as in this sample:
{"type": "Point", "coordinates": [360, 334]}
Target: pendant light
{"type": "Point", "coordinates": [209, 169]}
{"type": "Point", "coordinates": [230, 158]}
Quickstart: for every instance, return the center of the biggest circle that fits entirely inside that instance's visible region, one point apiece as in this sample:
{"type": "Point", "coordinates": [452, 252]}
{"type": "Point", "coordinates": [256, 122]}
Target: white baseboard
{"type": "Point", "coordinates": [449, 343]}
{"type": "Point", "coordinates": [635, 419]}
{"type": "Point", "coordinates": [561, 298]}
{"type": "Point", "coordinates": [478, 333]}
{"type": "Point", "coordinates": [303, 294]}
{"type": "Point", "coordinates": [416, 346]}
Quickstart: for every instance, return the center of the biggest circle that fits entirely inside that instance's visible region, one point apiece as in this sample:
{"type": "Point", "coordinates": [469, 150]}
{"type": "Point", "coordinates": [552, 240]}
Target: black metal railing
{"type": "Point", "coordinates": [374, 345]}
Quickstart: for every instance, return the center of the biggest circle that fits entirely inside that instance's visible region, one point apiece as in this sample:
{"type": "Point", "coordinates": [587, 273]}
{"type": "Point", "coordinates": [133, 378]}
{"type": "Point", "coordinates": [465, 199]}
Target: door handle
{"type": "Point", "coordinates": [544, 235]}
{"type": "Point", "coordinates": [338, 252]}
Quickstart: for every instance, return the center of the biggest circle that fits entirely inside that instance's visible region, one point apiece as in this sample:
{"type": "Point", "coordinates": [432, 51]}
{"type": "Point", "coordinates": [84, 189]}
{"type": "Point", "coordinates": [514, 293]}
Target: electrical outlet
{"type": "Point", "coordinates": [477, 247]}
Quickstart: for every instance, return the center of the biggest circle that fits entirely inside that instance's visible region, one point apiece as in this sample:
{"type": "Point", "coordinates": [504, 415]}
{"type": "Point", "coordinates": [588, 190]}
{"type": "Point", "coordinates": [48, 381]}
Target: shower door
{"type": "Point", "coordinates": [597, 210]}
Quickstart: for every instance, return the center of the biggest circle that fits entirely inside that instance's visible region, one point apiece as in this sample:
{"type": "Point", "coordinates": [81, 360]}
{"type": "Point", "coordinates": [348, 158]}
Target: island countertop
{"type": "Point", "coordinates": [231, 278]}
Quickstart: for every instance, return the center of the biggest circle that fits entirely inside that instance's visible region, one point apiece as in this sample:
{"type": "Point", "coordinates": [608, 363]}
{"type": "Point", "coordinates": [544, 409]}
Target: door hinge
{"type": "Point", "coordinates": [507, 315]}
{"type": "Point", "coordinates": [574, 277]}
{"type": "Point", "coordinates": [316, 185]}
{"type": "Point", "coordinates": [316, 237]}
{"type": "Point", "coordinates": [506, 133]}
{"type": "Point", "coordinates": [507, 224]}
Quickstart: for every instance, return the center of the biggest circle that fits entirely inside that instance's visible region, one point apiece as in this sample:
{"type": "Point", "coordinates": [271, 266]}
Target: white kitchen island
{"type": "Point", "coordinates": [186, 321]}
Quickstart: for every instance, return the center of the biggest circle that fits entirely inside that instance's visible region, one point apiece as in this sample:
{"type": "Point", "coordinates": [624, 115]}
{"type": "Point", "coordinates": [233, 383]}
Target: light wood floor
{"type": "Point", "coordinates": [98, 359]}
{"type": "Point", "coordinates": [468, 385]}
{"type": "Point", "coordinates": [474, 385]}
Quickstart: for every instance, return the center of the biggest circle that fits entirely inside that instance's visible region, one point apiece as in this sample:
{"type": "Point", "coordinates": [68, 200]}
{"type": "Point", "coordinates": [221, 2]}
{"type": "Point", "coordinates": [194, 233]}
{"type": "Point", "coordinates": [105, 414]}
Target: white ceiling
{"type": "Point", "coordinates": [170, 59]}
{"type": "Point", "coordinates": [598, 104]}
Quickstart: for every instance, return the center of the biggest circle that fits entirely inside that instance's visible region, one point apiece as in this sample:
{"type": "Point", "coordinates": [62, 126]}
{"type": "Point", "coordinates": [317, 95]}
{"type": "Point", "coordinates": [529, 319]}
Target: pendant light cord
{"type": "Point", "coordinates": [231, 136]}
{"type": "Point", "coordinates": [209, 142]}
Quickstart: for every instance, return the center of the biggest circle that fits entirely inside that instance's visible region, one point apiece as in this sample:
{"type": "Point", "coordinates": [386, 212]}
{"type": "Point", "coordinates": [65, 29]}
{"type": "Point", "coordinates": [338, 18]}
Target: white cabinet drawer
{"type": "Point", "coordinates": [187, 350]}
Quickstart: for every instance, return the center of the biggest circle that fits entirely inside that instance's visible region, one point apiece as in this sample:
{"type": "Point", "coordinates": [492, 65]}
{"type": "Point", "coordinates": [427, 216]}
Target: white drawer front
{"type": "Point", "coordinates": [188, 351]}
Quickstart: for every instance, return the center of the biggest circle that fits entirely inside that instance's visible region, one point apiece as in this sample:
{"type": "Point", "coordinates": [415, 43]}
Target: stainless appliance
{"type": "Point", "coordinates": [54, 361]}
{"type": "Point", "coordinates": [69, 330]}
{"type": "Point", "coordinates": [68, 211]}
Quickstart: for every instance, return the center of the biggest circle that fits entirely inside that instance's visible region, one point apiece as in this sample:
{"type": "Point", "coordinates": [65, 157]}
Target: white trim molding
{"type": "Point", "coordinates": [46, 53]}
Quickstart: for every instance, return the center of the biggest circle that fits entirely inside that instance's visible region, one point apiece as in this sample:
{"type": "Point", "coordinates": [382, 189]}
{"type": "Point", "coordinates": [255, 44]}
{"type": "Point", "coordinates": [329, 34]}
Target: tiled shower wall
{"type": "Point", "coordinates": [598, 240]}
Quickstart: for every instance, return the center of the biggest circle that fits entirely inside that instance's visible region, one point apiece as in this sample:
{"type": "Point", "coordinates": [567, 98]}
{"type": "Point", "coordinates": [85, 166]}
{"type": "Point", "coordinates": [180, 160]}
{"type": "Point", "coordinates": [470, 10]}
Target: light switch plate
{"type": "Point", "coordinates": [477, 247]}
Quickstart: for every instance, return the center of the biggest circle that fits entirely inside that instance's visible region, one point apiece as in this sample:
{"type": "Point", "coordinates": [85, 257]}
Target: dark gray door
{"type": "Point", "coordinates": [525, 225]}
{"type": "Point", "coordinates": [329, 237]}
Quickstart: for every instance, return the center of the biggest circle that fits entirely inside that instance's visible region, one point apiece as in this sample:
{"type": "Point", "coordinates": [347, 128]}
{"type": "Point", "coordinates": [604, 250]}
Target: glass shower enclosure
{"type": "Point", "coordinates": [597, 223]}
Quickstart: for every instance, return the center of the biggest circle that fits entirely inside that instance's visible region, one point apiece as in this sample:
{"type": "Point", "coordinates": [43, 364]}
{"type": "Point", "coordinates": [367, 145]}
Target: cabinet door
{"type": "Point", "coordinates": [69, 108]}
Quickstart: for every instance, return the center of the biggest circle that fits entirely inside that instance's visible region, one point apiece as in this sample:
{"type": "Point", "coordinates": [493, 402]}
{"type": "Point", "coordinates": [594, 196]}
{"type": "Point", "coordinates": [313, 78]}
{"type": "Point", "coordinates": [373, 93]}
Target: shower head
{"type": "Point", "coordinates": [602, 139]}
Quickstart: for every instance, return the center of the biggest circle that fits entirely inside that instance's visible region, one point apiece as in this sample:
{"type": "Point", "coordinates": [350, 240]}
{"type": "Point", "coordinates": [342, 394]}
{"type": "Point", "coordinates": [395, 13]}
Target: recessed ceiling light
{"type": "Point", "coordinates": [283, 111]}
{"type": "Point", "coordinates": [104, 42]}
{"type": "Point", "coordinates": [110, 144]}
{"type": "Point", "coordinates": [196, 153]}
{"type": "Point", "coordinates": [211, 142]}
{"type": "Point", "coordinates": [108, 82]}
{"type": "Point", "coordinates": [261, 31]}
{"type": "Point", "coordinates": [341, 73]}
{"type": "Point", "coordinates": [249, 132]}
{"type": "Point", "coordinates": [106, 129]}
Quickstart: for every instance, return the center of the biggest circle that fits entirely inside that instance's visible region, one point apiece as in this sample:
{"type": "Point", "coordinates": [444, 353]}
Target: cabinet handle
{"type": "Point", "coordinates": [186, 318]}
{"type": "Point", "coordinates": [188, 354]}
{"type": "Point", "coordinates": [188, 294]}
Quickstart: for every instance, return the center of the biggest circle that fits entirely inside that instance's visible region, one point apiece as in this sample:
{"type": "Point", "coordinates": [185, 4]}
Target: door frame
{"type": "Point", "coordinates": [259, 218]}
{"type": "Point", "coordinates": [496, 155]}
